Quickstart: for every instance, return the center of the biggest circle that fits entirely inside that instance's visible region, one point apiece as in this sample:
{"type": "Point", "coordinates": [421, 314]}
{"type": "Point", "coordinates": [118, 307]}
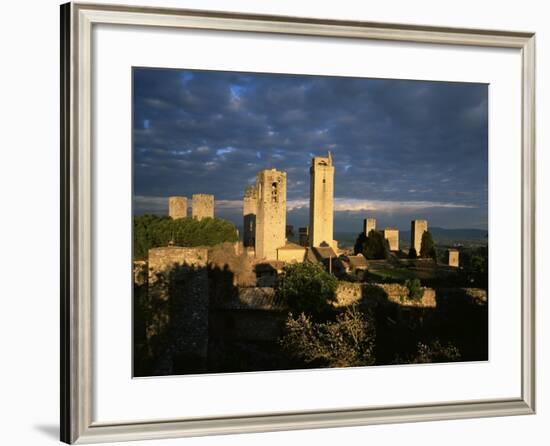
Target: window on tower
{"type": "Point", "coordinates": [274, 197]}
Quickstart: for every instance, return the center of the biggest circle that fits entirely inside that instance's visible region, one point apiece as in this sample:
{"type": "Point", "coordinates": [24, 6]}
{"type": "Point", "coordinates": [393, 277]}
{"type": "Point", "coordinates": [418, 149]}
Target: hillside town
{"type": "Point", "coordinates": [223, 307]}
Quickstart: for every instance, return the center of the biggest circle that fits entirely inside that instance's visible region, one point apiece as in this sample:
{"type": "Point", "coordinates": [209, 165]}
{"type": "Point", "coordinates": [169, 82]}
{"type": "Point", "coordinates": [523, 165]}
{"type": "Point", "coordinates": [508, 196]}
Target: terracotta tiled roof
{"type": "Point", "coordinates": [358, 261]}
{"type": "Point", "coordinates": [322, 253]}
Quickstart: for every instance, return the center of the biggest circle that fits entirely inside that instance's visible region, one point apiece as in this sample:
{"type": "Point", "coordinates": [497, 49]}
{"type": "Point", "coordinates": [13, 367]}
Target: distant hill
{"type": "Point", "coordinates": [441, 236]}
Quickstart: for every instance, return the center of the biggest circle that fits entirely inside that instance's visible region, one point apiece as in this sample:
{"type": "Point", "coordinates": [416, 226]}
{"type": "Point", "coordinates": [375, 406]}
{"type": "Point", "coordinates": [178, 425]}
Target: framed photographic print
{"type": "Point", "coordinates": [259, 210]}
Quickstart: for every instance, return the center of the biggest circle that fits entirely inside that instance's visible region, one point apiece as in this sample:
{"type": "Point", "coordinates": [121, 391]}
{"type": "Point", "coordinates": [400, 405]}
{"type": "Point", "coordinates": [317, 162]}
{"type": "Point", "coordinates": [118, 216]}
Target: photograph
{"type": "Point", "coordinates": [290, 221]}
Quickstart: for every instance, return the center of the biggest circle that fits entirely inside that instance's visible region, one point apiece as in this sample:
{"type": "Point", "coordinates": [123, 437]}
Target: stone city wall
{"type": "Point", "coordinates": [177, 329]}
{"type": "Point", "coordinates": [349, 293]}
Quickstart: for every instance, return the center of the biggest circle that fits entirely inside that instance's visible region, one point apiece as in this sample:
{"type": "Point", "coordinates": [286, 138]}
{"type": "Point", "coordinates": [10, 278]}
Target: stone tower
{"type": "Point", "coordinates": [369, 224]}
{"type": "Point", "coordinates": [271, 213]}
{"type": "Point", "coordinates": [321, 204]}
{"type": "Point", "coordinates": [453, 256]}
{"type": "Point", "coordinates": [392, 236]}
{"type": "Point", "coordinates": [177, 207]}
{"type": "Point", "coordinates": [418, 227]}
{"type": "Point", "coordinates": [202, 206]}
{"type": "Point", "coordinates": [250, 208]}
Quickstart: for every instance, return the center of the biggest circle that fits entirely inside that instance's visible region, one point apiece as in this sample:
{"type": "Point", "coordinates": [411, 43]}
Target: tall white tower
{"type": "Point", "coordinates": [321, 205]}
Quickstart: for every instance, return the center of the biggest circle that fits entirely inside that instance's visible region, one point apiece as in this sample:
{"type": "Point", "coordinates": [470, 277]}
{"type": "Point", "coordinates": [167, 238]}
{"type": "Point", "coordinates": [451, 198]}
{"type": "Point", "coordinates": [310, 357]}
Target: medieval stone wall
{"type": "Point", "coordinates": [349, 293]}
{"type": "Point", "coordinates": [177, 329]}
{"type": "Point", "coordinates": [140, 271]}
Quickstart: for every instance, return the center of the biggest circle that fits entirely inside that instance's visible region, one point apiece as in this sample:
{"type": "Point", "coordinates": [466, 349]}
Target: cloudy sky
{"type": "Point", "coordinates": [402, 149]}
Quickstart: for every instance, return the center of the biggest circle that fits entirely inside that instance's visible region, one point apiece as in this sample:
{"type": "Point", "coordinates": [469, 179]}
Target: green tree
{"type": "Point", "coordinates": [151, 231]}
{"type": "Point", "coordinates": [307, 288]}
{"type": "Point", "coordinates": [476, 266]}
{"type": "Point", "coordinates": [415, 290]}
{"type": "Point", "coordinates": [435, 352]}
{"type": "Point", "coordinates": [348, 341]}
{"type": "Point", "coordinates": [412, 253]}
{"type": "Point", "coordinates": [427, 246]}
{"type": "Point", "coordinates": [376, 246]}
{"type": "Point", "coordinates": [359, 243]}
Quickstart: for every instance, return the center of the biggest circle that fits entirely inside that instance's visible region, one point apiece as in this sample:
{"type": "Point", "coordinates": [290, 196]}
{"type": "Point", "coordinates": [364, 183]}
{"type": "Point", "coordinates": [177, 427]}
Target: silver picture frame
{"type": "Point", "coordinates": [77, 22]}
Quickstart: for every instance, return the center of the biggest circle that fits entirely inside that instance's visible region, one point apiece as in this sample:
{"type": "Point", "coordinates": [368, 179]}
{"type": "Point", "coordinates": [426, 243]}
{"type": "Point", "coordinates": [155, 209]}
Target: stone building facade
{"type": "Point", "coordinates": [453, 256]}
{"type": "Point", "coordinates": [418, 227]}
{"type": "Point", "coordinates": [369, 224]}
{"type": "Point", "coordinates": [177, 207]}
{"type": "Point", "coordinates": [392, 236]}
{"type": "Point", "coordinates": [202, 206]}
{"type": "Point", "coordinates": [271, 213]}
{"type": "Point", "coordinates": [250, 208]}
{"type": "Point", "coordinates": [291, 253]}
{"type": "Point", "coordinates": [321, 207]}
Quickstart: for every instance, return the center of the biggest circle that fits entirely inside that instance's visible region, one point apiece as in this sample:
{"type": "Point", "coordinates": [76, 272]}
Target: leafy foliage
{"type": "Point", "coordinates": [415, 290]}
{"type": "Point", "coordinates": [373, 247]}
{"type": "Point", "coordinates": [427, 246]}
{"type": "Point", "coordinates": [412, 253]}
{"type": "Point", "coordinates": [359, 243]}
{"type": "Point", "coordinates": [151, 231]}
{"type": "Point", "coordinates": [436, 352]}
{"type": "Point", "coordinates": [476, 267]}
{"type": "Point", "coordinates": [307, 288]}
{"type": "Point", "coordinates": [348, 341]}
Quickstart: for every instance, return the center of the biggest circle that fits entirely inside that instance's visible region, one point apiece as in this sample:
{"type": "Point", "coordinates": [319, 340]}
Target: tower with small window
{"type": "Point", "coordinates": [270, 213]}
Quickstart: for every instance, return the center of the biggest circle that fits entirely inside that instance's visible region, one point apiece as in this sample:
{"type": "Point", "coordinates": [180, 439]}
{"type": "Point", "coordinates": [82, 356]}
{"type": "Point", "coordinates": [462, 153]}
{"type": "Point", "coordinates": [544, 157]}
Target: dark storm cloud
{"type": "Point", "coordinates": [402, 149]}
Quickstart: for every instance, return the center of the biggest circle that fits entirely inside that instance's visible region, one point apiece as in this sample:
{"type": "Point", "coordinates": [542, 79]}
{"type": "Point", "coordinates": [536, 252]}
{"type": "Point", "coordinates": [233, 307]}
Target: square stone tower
{"type": "Point", "coordinates": [321, 201]}
{"type": "Point", "coordinates": [369, 224]}
{"type": "Point", "coordinates": [392, 236]}
{"type": "Point", "coordinates": [271, 213]}
{"type": "Point", "coordinates": [250, 208]}
{"type": "Point", "coordinates": [202, 206]}
{"type": "Point", "coordinates": [177, 207]}
{"type": "Point", "coordinates": [453, 256]}
{"type": "Point", "coordinates": [418, 227]}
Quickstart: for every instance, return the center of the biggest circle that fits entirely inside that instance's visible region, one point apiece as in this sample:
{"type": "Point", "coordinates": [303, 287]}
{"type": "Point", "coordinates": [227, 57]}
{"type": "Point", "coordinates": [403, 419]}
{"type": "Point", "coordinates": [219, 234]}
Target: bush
{"type": "Point", "coordinates": [415, 290]}
{"type": "Point", "coordinates": [307, 288]}
{"type": "Point", "coordinates": [346, 342]}
{"type": "Point", "coordinates": [373, 247]}
{"type": "Point", "coordinates": [427, 246]}
{"type": "Point", "coordinates": [436, 352]}
{"type": "Point", "coordinates": [151, 231]}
